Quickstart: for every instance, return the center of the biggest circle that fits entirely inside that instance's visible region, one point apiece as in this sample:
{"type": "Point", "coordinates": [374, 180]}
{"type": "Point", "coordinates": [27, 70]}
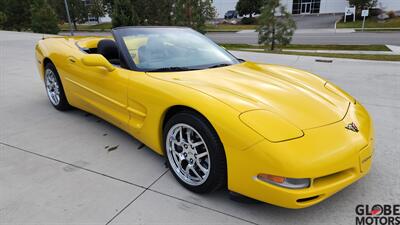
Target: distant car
{"type": "Point", "coordinates": [269, 132]}
{"type": "Point", "coordinates": [231, 14]}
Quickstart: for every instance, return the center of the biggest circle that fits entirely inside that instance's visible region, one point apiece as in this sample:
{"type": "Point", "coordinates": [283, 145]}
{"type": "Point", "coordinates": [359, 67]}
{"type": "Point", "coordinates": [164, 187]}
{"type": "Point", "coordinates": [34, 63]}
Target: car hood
{"type": "Point", "coordinates": [297, 96]}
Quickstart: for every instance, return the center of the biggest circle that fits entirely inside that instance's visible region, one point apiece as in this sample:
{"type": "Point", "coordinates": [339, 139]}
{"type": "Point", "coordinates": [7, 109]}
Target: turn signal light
{"type": "Point", "coordinates": [292, 183]}
{"type": "Point", "coordinates": [275, 179]}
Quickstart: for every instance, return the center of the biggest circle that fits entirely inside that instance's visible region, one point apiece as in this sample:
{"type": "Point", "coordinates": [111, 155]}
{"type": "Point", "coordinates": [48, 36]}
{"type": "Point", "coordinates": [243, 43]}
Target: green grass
{"type": "Point", "coordinates": [88, 27]}
{"type": "Point", "coordinates": [334, 55]}
{"type": "Point", "coordinates": [371, 23]}
{"type": "Point", "coordinates": [314, 47]}
{"type": "Point", "coordinates": [229, 27]}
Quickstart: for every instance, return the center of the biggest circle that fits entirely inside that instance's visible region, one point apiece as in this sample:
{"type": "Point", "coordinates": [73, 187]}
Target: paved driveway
{"type": "Point", "coordinates": [55, 168]}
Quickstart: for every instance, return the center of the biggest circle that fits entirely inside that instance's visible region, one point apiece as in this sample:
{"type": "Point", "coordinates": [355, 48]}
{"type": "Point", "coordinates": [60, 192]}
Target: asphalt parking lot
{"type": "Point", "coordinates": [55, 167]}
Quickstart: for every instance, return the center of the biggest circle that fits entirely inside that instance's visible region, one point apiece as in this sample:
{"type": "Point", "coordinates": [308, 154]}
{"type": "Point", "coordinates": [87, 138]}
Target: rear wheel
{"type": "Point", "coordinates": [194, 152]}
{"type": "Point", "coordinates": [54, 88]}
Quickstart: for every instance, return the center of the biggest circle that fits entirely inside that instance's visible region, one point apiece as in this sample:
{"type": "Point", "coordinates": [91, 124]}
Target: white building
{"type": "Point", "coordinates": [309, 6]}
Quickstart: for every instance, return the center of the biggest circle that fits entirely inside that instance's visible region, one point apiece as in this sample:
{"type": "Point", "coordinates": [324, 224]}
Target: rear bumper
{"type": "Point", "coordinates": [331, 156]}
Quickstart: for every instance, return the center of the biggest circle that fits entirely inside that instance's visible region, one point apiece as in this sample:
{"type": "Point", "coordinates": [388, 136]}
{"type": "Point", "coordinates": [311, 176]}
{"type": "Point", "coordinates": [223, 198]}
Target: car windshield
{"type": "Point", "coordinates": [161, 49]}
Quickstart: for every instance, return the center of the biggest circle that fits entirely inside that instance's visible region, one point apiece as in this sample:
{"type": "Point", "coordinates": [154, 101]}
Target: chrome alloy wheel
{"type": "Point", "coordinates": [188, 154]}
{"type": "Point", "coordinates": [52, 87]}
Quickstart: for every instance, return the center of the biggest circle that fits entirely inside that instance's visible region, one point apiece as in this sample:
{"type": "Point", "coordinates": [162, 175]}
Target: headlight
{"type": "Point", "coordinates": [292, 183]}
{"type": "Point", "coordinates": [270, 125]}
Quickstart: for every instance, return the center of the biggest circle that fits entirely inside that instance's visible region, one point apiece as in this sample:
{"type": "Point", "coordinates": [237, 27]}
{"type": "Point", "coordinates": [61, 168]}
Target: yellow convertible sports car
{"type": "Point", "coordinates": [268, 132]}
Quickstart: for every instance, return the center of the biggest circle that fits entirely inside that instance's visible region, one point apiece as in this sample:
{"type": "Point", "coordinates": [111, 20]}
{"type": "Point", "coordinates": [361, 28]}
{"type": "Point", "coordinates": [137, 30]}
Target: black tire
{"type": "Point", "coordinates": [218, 172]}
{"type": "Point", "coordinates": [63, 104]}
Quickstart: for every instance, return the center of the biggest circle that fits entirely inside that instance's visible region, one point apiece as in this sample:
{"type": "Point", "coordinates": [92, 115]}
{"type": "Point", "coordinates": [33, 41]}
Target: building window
{"type": "Point", "coordinates": [306, 6]}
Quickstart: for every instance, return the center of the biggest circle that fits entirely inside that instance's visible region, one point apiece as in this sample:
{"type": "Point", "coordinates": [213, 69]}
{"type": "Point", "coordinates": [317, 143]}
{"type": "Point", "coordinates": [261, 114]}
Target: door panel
{"type": "Point", "coordinates": [99, 91]}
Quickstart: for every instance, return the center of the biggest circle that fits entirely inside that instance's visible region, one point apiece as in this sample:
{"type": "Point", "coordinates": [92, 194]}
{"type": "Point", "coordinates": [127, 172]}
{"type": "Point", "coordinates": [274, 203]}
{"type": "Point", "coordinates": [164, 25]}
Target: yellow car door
{"type": "Point", "coordinates": [99, 91]}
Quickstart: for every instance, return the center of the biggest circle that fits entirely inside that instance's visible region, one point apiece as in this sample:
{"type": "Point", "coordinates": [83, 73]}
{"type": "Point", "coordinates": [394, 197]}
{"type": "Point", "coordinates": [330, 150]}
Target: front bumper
{"type": "Point", "coordinates": [332, 156]}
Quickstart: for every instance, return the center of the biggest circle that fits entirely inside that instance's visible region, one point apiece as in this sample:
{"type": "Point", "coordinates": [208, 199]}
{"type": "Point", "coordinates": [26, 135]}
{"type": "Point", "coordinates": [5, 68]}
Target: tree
{"type": "Point", "coordinates": [155, 12]}
{"type": "Point", "coordinates": [77, 11]}
{"type": "Point", "coordinates": [248, 7]}
{"type": "Point", "coordinates": [273, 29]}
{"type": "Point", "coordinates": [362, 4]}
{"type": "Point", "coordinates": [44, 19]}
{"type": "Point", "coordinates": [59, 8]}
{"type": "Point", "coordinates": [124, 13]}
{"type": "Point", "coordinates": [3, 19]}
{"type": "Point", "coordinates": [193, 13]}
{"type": "Point", "coordinates": [109, 4]}
{"type": "Point", "coordinates": [17, 14]}
{"type": "Point", "coordinates": [97, 9]}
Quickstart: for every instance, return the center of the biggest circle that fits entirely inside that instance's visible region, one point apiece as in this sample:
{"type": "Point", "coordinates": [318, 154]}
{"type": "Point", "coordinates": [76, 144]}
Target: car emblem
{"type": "Point", "coordinates": [352, 126]}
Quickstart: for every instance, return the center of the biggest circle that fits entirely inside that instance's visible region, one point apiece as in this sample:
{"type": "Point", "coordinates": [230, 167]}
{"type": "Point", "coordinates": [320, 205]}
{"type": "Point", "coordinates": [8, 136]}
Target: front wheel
{"type": "Point", "coordinates": [54, 88]}
{"type": "Point", "coordinates": [194, 152]}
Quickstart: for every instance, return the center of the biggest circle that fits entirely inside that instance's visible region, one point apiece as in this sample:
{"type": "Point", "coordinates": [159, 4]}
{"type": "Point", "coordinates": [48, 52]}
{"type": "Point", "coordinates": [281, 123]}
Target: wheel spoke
{"type": "Point", "coordinates": [195, 173]}
{"type": "Point", "coordinates": [180, 135]}
{"type": "Point", "coordinates": [175, 142]}
{"type": "Point", "coordinates": [178, 160]}
{"type": "Point", "coordinates": [188, 134]}
{"type": "Point", "coordinates": [187, 172]}
{"type": "Point", "coordinates": [204, 170]}
{"type": "Point", "coordinates": [201, 155]}
{"type": "Point", "coordinates": [196, 144]}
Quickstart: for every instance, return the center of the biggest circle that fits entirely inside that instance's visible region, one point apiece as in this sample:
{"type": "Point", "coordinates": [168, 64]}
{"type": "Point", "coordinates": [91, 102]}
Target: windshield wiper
{"type": "Point", "coordinates": [170, 69]}
{"type": "Point", "coordinates": [219, 65]}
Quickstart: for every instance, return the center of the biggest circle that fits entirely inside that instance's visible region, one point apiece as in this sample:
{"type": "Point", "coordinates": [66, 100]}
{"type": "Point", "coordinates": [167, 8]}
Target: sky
{"type": "Point", "coordinates": [224, 5]}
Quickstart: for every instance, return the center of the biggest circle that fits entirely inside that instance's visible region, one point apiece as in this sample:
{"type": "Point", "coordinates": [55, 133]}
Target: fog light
{"type": "Point", "coordinates": [292, 183]}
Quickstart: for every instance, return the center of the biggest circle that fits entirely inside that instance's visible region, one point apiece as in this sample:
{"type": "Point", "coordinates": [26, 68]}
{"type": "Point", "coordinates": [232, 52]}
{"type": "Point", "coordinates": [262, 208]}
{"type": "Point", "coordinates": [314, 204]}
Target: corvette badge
{"type": "Point", "coordinates": [352, 126]}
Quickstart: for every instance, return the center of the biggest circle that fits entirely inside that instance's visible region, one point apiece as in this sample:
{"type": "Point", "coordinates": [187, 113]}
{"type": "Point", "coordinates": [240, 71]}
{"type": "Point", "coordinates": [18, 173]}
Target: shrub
{"type": "Point", "coordinates": [375, 12]}
{"type": "Point", "coordinates": [44, 19]}
{"type": "Point", "coordinates": [391, 14]}
{"type": "Point", "coordinates": [248, 20]}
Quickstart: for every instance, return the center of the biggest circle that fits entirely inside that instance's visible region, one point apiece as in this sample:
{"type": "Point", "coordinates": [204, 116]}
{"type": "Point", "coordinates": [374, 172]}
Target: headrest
{"type": "Point", "coordinates": [108, 49]}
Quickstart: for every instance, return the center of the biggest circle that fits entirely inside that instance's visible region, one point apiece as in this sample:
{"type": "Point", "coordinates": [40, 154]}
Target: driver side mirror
{"type": "Point", "coordinates": [97, 60]}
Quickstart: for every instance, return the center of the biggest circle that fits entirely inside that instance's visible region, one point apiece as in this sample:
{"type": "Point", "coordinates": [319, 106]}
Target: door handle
{"type": "Point", "coordinates": [72, 59]}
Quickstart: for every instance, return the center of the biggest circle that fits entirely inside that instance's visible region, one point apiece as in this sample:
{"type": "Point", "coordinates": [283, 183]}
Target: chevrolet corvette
{"type": "Point", "coordinates": [269, 132]}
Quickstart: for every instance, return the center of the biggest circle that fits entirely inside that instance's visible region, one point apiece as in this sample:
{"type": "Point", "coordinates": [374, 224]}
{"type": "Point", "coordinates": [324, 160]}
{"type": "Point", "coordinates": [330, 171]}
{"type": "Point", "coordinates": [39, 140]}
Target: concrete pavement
{"type": "Point", "coordinates": [54, 167]}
